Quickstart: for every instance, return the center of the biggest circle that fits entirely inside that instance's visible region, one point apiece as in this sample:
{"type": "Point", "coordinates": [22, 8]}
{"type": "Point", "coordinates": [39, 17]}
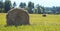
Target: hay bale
{"type": "Point", "coordinates": [44, 15]}
{"type": "Point", "coordinates": [17, 16]}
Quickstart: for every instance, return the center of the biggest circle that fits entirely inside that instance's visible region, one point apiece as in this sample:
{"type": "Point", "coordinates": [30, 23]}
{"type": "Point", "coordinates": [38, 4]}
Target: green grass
{"type": "Point", "coordinates": [38, 23]}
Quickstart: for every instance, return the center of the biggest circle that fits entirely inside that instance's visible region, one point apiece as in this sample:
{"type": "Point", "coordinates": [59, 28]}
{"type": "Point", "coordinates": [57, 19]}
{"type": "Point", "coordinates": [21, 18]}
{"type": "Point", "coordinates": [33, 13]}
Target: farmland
{"type": "Point", "coordinates": [37, 23]}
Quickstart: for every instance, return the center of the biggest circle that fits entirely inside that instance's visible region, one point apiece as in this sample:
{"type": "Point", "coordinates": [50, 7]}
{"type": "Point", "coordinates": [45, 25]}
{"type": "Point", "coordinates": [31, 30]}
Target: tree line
{"type": "Point", "coordinates": [7, 5]}
{"type": "Point", "coordinates": [31, 8]}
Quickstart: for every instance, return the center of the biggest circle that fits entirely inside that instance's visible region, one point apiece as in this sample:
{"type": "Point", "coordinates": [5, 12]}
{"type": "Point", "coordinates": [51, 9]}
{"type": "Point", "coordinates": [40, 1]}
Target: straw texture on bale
{"type": "Point", "coordinates": [17, 16]}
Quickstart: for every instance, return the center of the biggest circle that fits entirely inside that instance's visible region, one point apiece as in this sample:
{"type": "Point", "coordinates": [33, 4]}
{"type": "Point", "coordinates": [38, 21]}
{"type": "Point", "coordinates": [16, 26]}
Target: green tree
{"type": "Point", "coordinates": [1, 6]}
{"type": "Point", "coordinates": [57, 10]}
{"type": "Point", "coordinates": [35, 11]}
{"type": "Point", "coordinates": [39, 9]}
{"type": "Point", "coordinates": [14, 4]}
{"type": "Point", "coordinates": [7, 5]}
{"type": "Point", "coordinates": [30, 6]}
{"type": "Point", "coordinates": [54, 10]}
{"type": "Point", "coordinates": [22, 5]}
{"type": "Point", "coordinates": [43, 10]}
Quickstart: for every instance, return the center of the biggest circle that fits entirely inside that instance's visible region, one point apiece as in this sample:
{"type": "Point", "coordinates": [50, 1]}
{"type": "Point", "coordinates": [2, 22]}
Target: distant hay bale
{"type": "Point", "coordinates": [44, 15]}
{"type": "Point", "coordinates": [17, 16]}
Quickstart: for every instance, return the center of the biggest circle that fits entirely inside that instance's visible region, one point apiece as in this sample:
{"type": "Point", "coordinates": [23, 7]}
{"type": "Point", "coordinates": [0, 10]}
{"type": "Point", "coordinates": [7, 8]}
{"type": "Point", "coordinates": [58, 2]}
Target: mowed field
{"type": "Point", "coordinates": [37, 23]}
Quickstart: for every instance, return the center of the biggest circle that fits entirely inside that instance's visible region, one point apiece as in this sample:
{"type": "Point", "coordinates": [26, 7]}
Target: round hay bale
{"type": "Point", "coordinates": [44, 15]}
{"type": "Point", "coordinates": [17, 16]}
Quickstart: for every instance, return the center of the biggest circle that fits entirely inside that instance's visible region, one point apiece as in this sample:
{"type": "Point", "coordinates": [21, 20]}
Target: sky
{"type": "Point", "coordinates": [45, 3]}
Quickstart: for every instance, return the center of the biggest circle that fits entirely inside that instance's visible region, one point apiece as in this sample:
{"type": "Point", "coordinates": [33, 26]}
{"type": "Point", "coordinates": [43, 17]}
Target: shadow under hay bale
{"type": "Point", "coordinates": [17, 16]}
{"type": "Point", "coordinates": [44, 15]}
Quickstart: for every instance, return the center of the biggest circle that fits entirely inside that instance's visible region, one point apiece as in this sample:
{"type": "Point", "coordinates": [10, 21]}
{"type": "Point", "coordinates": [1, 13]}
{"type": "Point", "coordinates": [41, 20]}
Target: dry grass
{"type": "Point", "coordinates": [38, 23]}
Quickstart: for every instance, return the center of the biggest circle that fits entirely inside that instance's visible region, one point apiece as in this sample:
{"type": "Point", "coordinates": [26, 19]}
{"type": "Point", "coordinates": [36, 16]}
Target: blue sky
{"type": "Point", "coordinates": [45, 3]}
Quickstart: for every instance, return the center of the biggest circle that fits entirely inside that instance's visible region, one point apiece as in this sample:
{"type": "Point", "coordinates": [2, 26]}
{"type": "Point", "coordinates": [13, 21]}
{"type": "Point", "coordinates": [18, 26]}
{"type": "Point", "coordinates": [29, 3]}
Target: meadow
{"type": "Point", "coordinates": [37, 23]}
